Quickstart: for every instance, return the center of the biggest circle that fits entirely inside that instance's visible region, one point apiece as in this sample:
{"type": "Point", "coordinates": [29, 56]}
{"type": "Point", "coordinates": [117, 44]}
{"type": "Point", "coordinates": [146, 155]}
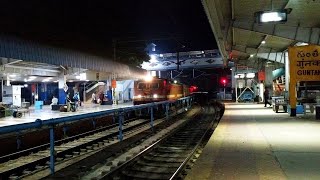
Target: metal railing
{"type": "Point", "coordinates": [51, 123]}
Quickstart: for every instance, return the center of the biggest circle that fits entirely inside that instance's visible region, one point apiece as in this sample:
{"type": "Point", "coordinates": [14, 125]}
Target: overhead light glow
{"type": "Point", "coordinates": [25, 85]}
{"type": "Point", "coordinates": [175, 81]}
{"type": "Point", "coordinates": [32, 77]}
{"type": "Point", "coordinates": [239, 76]}
{"type": "Point", "coordinates": [153, 73]}
{"type": "Point", "coordinates": [161, 55]}
{"type": "Point", "coordinates": [153, 58]}
{"type": "Point", "coordinates": [251, 55]}
{"type": "Point", "coordinates": [8, 82]}
{"type": "Point", "coordinates": [83, 76]}
{"type": "Point", "coordinates": [250, 75]}
{"type": "Point", "coordinates": [13, 75]}
{"type": "Point", "coordinates": [265, 17]}
{"type": "Point", "coordinates": [148, 78]}
{"type": "Point", "coordinates": [263, 42]}
{"type": "Point", "coordinates": [139, 96]}
{"type": "Point", "coordinates": [155, 96]}
{"type": "Point", "coordinates": [301, 44]}
{"type": "Point", "coordinates": [78, 77]}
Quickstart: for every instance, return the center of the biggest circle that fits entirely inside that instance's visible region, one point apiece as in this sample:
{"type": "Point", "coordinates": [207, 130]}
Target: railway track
{"type": "Point", "coordinates": [70, 150]}
{"type": "Point", "coordinates": [168, 157]}
{"type": "Point", "coordinates": [30, 161]}
{"type": "Point", "coordinates": [99, 155]}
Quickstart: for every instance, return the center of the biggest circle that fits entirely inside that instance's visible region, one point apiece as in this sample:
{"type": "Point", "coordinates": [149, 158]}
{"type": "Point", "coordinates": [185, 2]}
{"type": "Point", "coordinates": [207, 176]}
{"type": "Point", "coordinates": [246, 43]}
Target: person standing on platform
{"type": "Point", "coordinates": [101, 97]}
{"type": "Point", "coordinates": [54, 101]}
{"type": "Point", "coordinates": [266, 97]}
{"type": "Point", "coordinates": [94, 98]}
{"type": "Point", "coordinates": [76, 99]}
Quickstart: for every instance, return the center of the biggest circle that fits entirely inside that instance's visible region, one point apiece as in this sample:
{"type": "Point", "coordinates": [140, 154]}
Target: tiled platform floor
{"type": "Point", "coordinates": [46, 113]}
{"type": "Point", "coordinates": [252, 142]}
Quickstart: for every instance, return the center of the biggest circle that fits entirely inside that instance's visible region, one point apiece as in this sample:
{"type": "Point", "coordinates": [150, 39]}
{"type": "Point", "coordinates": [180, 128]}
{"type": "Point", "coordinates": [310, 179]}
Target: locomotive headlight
{"type": "Point", "coordinates": [155, 96]}
{"type": "Point", "coordinates": [139, 96]}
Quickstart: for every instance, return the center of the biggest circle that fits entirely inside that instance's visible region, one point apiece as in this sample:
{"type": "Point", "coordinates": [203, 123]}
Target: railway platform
{"type": "Point", "coordinates": [253, 142]}
{"type": "Point", "coordinates": [46, 113]}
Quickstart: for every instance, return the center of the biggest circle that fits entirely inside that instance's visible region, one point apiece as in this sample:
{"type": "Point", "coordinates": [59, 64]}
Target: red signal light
{"type": "Point", "coordinates": [223, 81]}
{"type": "Point", "coordinates": [193, 88]}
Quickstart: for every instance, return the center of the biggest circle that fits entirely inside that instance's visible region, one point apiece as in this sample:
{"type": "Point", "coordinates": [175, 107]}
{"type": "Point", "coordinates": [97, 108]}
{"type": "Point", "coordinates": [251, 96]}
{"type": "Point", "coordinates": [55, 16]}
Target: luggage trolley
{"type": "Point", "coordinates": [18, 112]}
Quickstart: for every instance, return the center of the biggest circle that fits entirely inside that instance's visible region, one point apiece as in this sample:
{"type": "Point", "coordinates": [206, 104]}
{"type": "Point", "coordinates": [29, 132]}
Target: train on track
{"type": "Point", "coordinates": [158, 89]}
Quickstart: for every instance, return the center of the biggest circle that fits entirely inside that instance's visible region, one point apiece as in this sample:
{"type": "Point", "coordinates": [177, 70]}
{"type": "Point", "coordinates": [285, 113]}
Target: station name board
{"type": "Point", "coordinates": [305, 63]}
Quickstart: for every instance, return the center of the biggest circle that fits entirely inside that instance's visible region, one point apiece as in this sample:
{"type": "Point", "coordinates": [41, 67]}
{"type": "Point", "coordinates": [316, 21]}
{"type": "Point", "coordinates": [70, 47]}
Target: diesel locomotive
{"type": "Point", "coordinates": [158, 89]}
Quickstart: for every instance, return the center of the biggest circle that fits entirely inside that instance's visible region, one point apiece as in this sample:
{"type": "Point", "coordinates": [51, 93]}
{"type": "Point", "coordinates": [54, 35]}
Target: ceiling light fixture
{"type": "Point", "coordinates": [271, 16]}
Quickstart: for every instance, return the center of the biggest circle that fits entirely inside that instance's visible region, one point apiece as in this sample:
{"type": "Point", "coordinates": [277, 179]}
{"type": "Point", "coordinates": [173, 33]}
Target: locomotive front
{"type": "Point", "coordinates": [149, 90]}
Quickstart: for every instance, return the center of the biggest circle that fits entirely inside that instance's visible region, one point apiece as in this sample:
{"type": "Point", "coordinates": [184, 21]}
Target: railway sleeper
{"type": "Point", "coordinates": [146, 175]}
{"type": "Point", "coordinates": [157, 164]}
{"type": "Point", "coordinates": [167, 155]}
{"type": "Point", "coordinates": [162, 159]}
{"type": "Point", "coordinates": [163, 150]}
{"type": "Point", "coordinates": [154, 169]}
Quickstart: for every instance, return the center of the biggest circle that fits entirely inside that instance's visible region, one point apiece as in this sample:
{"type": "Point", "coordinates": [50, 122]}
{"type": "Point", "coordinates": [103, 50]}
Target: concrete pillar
{"type": "Point", "coordinates": [1, 90]}
{"type": "Point", "coordinates": [269, 79]}
{"type": "Point", "coordinates": [43, 92]}
{"type": "Point", "coordinates": [113, 83]}
{"type": "Point", "coordinates": [233, 79]}
{"type": "Point", "coordinates": [61, 85]}
{"type": "Point", "coordinates": [287, 71]}
{"type": "Point", "coordinates": [261, 91]}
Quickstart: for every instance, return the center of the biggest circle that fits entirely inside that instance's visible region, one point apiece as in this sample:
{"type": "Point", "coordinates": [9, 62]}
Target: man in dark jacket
{"type": "Point", "coordinates": [266, 97]}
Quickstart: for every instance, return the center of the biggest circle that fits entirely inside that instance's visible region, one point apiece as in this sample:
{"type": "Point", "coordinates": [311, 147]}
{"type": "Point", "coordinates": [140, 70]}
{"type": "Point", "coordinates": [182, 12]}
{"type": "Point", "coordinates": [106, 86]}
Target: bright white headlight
{"type": "Point", "coordinates": [139, 96]}
{"type": "Point", "coordinates": [155, 96]}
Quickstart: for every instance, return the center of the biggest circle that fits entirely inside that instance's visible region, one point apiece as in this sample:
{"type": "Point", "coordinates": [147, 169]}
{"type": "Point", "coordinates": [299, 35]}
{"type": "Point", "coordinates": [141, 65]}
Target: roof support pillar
{"type": "Point", "coordinates": [62, 88]}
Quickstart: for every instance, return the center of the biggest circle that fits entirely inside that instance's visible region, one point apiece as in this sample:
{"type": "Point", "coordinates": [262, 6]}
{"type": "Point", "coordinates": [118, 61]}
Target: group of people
{"type": "Point", "coordinates": [97, 100]}
{"type": "Point", "coordinates": [75, 99]}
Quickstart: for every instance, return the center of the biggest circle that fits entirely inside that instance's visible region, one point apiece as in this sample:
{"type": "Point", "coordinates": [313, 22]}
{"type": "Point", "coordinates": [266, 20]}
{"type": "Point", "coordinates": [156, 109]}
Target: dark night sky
{"type": "Point", "coordinates": [91, 25]}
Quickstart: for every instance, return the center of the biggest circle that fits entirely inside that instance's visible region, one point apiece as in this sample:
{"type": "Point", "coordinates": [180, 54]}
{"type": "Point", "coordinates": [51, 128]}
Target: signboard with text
{"type": "Point", "coordinates": [305, 63]}
{"type": "Point", "coordinates": [304, 66]}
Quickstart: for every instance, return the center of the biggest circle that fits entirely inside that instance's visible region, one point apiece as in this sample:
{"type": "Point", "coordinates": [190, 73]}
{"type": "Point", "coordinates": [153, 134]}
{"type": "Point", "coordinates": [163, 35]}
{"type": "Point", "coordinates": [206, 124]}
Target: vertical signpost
{"type": "Point", "coordinates": [114, 85]}
{"type": "Point", "coordinates": [304, 66]}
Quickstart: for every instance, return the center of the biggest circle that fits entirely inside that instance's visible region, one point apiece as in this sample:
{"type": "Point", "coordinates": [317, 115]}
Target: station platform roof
{"type": "Point", "coordinates": [23, 58]}
{"type": "Point", "coordinates": [242, 39]}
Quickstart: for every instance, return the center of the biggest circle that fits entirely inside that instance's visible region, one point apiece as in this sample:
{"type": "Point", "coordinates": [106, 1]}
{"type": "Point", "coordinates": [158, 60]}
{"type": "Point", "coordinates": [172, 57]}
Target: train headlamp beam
{"type": "Point", "coordinates": [148, 78]}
